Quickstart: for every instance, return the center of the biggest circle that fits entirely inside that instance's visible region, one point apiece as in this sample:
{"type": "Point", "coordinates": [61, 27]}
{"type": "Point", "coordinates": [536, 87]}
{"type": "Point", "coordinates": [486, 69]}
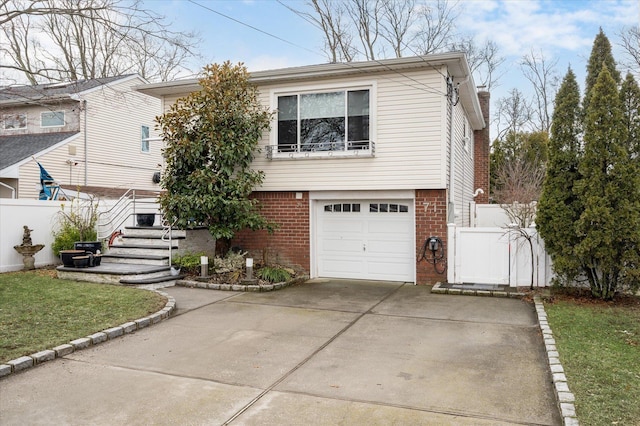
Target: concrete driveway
{"type": "Point", "coordinates": [325, 352]}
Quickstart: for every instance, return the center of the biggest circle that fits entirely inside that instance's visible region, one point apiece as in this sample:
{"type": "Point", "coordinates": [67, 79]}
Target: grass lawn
{"type": "Point", "coordinates": [39, 311]}
{"type": "Point", "coordinates": [599, 346]}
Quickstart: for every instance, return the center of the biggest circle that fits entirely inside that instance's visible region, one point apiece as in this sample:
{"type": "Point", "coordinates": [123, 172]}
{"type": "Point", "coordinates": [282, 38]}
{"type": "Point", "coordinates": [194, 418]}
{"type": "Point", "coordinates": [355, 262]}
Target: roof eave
{"type": "Point", "coordinates": [13, 171]}
{"type": "Point", "coordinates": [35, 100]}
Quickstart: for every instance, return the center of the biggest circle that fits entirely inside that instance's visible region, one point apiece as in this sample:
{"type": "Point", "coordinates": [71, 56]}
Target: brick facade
{"type": "Point", "coordinates": [431, 221]}
{"type": "Point", "coordinates": [482, 143]}
{"type": "Point", "coordinates": [289, 243]}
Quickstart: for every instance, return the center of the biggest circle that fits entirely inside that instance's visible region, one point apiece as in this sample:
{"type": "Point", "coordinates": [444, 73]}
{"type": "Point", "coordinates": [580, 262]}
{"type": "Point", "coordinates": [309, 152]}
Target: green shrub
{"type": "Point", "coordinates": [189, 262]}
{"type": "Point", "coordinates": [77, 223]}
{"type": "Point", "coordinates": [233, 261]}
{"type": "Point", "coordinates": [274, 274]}
{"type": "Point", "coordinates": [64, 238]}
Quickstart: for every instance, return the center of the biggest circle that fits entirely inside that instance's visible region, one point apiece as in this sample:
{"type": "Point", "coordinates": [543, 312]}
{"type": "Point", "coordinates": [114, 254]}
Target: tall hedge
{"type": "Point", "coordinates": [609, 225]}
{"type": "Point", "coordinates": [559, 207]}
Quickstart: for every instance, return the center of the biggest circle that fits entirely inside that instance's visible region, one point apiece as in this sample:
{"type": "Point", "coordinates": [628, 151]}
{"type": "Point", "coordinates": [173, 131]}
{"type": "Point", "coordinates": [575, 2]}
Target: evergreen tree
{"type": "Point", "coordinates": [609, 227]}
{"type": "Point", "coordinates": [630, 97]}
{"type": "Point", "coordinates": [600, 56]}
{"type": "Point", "coordinates": [211, 137]}
{"type": "Point", "coordinates": [559, 208]}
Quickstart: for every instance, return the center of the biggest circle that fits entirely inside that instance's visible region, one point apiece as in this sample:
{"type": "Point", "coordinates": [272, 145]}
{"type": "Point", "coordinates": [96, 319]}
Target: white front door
{"type": "Point", "coordinates": [366, 239]}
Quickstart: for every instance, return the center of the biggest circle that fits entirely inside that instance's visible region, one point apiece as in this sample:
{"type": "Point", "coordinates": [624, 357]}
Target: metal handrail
{"type": "Point", "coordinates": [112, 219]}
{"type": "Point", "coordinates": [167, 229]}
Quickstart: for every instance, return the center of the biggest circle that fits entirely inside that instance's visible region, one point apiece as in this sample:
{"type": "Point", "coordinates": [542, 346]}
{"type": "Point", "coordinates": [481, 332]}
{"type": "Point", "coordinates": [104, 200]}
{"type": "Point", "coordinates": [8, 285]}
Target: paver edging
{"type": "Point", "coordinates": [564, 397]}
{"type": "Point", "coordinates": [25, 362]}
{"type": "Point", "coordinates": [438, 289]}
{"type": "Point", "coordinates": [240, 287]}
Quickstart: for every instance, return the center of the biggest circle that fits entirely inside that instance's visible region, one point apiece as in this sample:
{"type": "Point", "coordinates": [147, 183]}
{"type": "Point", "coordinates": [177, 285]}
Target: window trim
{"type": "Point", "coordinates": [64, 118]}
{"type": "Point", "coordinates": [11, 129]}
{"type": "Point", "coordinates": [143, 139]}
{"type": "Point", "coordinates": [370, 85]}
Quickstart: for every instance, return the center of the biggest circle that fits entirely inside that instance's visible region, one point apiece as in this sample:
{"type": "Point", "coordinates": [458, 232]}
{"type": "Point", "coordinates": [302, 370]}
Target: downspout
{"type": "Point", "coordinates": [11, 188]}
{"type": "Point", "coordinates": [450, 99]}
{"type": "Point", "coordinates": [86, 157]}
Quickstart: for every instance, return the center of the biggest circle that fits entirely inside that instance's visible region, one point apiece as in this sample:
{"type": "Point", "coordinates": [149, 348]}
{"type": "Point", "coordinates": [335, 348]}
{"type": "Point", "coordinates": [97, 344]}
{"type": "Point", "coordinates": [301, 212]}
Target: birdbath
{"type": "Point", "coordinates": [27, 249]}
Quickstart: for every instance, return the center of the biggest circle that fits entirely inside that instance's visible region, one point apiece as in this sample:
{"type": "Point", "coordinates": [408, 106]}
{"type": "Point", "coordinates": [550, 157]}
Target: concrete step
{"type": "Point", "coordinates": [159, 282]}
{"type": "Point", "coordinates": [147, 241]}
{"type": "Point", "coordinates": [144, 231]}
{"type": "Point", "coordinates": [140, 259]}
{"type": "Point", "coordinates": [139, 250]}
{"type": "Point", "coordinates": [112, 273]}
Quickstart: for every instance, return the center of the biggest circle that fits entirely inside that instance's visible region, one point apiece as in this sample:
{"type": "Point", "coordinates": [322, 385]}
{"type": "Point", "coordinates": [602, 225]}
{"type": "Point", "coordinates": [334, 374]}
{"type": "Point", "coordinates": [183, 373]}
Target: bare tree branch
{"type": "Point", "coordinates": [384, 28]}
{"type": "Point", "coordinates": [630, 42]}
{"type": "Point", "coordinates": [520, 185]}
{"type": "Point", "coordinates": [12, 9]}
{"type": "Point", "coordinates": [437, 26]}
{"type": "Point", "coordinates": [484, 60]}
{"type": "Point", "coordinates": [96, 38]}
{"type": "Point", "coordinates": [330, 18]}
{"type": "Point", "coordinates": [365, 14]}
{"type": "Point", "coordinates": [515, 112]}
{"type": "Point", "coordinates": [398, 17]}
{"type": "Point", "coordinates": [544, 79]}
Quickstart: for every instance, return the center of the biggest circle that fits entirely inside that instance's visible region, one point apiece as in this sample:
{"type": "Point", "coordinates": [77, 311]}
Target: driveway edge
{"type": "Point", "coordinates": [29, 361]}
{"type": "Point", "coordinates": [564, 396]}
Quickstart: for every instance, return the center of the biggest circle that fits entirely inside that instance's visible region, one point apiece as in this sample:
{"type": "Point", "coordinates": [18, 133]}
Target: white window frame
{"type": "Point", "coordinates": [371, 86]}
{"type": "Point", "coordinates": [62, 113]}
{"type": "Point", "coordinates": [466, 141]}
{"type": "Point", "coordinates": [144, 142]}
{"type": "Point", "coordinates": [4, 121]}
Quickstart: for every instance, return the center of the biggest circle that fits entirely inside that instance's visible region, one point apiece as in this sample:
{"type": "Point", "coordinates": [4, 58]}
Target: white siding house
{"type": "Point", "coordinates": [96, 142]}
{"type": "Point", "coordinates": [360, 201]}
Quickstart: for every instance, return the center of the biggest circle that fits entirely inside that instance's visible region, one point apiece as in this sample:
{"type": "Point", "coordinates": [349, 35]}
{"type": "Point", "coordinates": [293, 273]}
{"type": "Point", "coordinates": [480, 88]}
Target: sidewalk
{"type": "Point", "coordinates": [325, 352]}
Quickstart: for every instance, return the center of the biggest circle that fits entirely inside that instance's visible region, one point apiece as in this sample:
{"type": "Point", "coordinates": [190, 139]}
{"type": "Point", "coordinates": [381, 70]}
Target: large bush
{"type": "Point", "coordinates": [211, 137]}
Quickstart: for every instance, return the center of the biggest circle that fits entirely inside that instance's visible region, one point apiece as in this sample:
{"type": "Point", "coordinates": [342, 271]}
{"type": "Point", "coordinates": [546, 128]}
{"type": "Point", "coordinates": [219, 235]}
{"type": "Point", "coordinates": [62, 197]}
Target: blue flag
{"type": "Point", "coordinates": [47, 184]}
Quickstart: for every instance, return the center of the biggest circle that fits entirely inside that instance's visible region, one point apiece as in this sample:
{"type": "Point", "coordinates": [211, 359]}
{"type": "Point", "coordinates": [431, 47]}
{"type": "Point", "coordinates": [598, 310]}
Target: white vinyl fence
{"type": "Point", "coordinates": [37, 215]}
{"type": "Point", "coordinates": [41, 217]}
{"type": "Point", "coordinates": [490, 252]}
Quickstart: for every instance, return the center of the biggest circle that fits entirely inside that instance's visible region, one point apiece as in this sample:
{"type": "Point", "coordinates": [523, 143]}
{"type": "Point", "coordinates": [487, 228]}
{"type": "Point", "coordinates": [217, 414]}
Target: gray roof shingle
{"type": "Point", "coordinates": [16, 148]}
{"type": "Point", "coordinates": [53, 90]}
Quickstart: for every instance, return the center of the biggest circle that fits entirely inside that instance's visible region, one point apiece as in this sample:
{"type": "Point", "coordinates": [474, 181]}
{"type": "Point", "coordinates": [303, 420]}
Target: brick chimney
{"type": "Point", "coordinates": [481, 151]}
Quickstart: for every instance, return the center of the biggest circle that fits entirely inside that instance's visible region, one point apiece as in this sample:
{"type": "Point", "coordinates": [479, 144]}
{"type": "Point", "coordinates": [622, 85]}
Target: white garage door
{"type": "Point", "coordinates": [366, 240]}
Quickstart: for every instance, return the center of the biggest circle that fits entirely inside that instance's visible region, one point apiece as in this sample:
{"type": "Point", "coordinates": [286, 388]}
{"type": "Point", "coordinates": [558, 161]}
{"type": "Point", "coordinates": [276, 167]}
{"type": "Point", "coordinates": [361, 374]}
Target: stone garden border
{"type": "Point", "coordinates": [240, 287]}
{"type": "Point", "coordinates": [564, 396]}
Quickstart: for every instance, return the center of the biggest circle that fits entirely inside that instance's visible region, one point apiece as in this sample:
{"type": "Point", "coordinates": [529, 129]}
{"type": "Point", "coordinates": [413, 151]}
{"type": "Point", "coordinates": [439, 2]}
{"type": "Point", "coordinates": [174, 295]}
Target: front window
{"type": "Point", "coordinates": [52, 119]}
{"type": "Point", "coordinates": [336, 121]}
{"type": "Point", "coordinates": [144, 139]}
{"type": "Point", "coordinates": [14, 121]}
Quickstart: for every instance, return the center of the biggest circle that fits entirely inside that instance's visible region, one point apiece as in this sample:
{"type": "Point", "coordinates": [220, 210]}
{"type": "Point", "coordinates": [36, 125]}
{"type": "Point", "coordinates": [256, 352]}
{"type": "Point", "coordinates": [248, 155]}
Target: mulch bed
{"type": "Point", "coordinates": [580, 296]}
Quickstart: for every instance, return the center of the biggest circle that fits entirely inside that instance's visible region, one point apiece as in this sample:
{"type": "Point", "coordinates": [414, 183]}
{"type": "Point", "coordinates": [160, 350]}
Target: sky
{"type": "Point", "coordinates": [561, 30]}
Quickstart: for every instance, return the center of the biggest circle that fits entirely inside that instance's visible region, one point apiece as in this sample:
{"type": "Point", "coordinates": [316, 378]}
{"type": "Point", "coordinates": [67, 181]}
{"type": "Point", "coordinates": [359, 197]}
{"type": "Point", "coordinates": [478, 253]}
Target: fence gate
{"type": "Point", "coordinates": [481, 256]}
{"type": "Point", "coordinates": [496, 256]}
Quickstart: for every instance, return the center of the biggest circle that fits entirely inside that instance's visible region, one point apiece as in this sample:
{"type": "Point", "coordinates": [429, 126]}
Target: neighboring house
{"type": "Point", "coordinates": [86, 134]}
{"type": "Point", "coordinates": [357, 163]}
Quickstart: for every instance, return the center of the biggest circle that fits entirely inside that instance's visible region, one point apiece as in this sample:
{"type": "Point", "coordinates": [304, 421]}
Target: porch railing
{"type": "Point", "coordinates": [322, 150]}
{"type": "Point", "coordinates": [126, 208]}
